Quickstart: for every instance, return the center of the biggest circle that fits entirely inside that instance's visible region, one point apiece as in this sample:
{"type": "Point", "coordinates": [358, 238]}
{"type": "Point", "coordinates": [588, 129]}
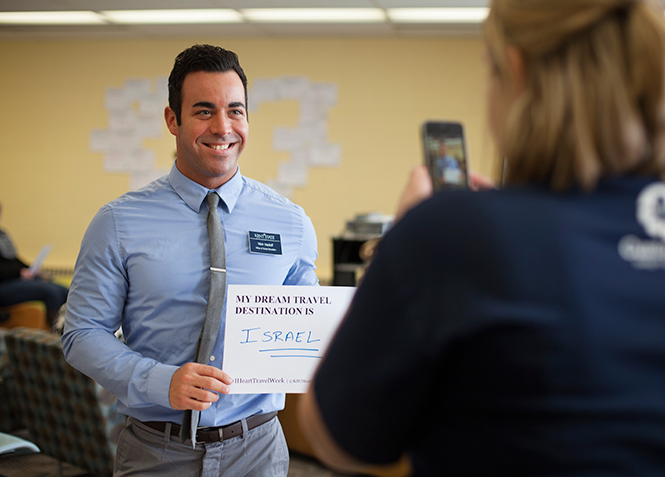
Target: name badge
{"type": "Point", "coordinates": [262, 242]}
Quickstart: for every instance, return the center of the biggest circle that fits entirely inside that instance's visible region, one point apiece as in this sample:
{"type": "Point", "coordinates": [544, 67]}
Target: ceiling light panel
{"type": "Point", "coordinates": [314, 15]}
{"type": "Point", "coordinates": [438, 15]}
{"type": "Point", "coordinates": [51, 18]}
{"type": "Point", "coordinates": [146, 17]}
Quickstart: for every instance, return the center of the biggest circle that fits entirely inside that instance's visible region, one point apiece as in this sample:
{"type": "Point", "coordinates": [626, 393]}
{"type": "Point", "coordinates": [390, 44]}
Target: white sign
{"type": "Point", "coordinates": [276, 335]}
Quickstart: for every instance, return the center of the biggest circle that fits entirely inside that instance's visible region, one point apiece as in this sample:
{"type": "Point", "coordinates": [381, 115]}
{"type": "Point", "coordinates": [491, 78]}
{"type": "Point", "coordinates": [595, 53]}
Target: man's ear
{"type": "Point", "coordinates": [171, 120]}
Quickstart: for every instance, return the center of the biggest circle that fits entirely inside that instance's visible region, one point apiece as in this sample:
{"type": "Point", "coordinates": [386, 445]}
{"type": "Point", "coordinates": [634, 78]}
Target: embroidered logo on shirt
{"type": "Point", "coordinates": [650, 253]}
{"type": "Point", "coordinates": [267, 243]}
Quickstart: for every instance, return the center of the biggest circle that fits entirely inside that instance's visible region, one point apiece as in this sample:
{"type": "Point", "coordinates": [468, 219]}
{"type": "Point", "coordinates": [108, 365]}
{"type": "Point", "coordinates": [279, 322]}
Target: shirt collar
{"type": "Point", "coordinates": [194, 194]}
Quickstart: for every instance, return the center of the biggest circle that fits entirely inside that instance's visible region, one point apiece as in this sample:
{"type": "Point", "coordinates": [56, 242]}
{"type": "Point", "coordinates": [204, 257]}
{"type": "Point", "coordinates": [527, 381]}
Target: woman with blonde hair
{"type": "Point", "coordinates": [521, 331]}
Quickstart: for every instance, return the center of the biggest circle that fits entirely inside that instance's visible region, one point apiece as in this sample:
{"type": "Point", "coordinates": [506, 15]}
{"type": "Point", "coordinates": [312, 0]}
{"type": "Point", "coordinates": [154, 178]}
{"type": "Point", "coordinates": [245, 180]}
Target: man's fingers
{"type": "Point", "coordinates": [195, 386]}
{"type": "Point", "coordinates": [212, 383]}
{"type": "Point", "coordinates": [197, 405]}
{"type": "Point", "coordinates": [203, 395]}
{"type": "Point", "coordinates": [215, 373]}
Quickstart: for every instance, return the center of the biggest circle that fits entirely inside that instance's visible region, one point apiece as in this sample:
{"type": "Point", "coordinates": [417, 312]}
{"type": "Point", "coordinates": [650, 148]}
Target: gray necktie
{"type": "Point", "coordinates": [190, 420]}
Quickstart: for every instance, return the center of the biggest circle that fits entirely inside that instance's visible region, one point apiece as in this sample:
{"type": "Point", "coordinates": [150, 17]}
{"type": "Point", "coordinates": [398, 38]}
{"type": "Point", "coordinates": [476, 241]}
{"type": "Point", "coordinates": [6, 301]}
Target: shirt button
{"type": "Point", "coordinates": [212, 358]}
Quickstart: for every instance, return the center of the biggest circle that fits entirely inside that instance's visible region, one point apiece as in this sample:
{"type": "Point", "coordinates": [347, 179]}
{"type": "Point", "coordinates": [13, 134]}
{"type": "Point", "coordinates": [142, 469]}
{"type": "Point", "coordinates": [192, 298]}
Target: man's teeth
{"type": "Point", "coordinates": [220, 147]}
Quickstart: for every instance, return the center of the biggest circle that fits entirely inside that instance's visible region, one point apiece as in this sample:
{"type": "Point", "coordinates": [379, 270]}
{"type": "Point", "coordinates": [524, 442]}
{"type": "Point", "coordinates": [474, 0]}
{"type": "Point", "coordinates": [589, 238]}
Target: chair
{"type": "Point", "coordinates": [10, 410]}
{"type": "Point", "coordinates": [31, 314]}
{"type": "Point", "coordinates": [67, 414]}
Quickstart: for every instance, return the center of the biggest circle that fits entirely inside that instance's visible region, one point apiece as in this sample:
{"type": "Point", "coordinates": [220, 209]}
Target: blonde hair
{"type": "Point", "coordinates": [593, 103]}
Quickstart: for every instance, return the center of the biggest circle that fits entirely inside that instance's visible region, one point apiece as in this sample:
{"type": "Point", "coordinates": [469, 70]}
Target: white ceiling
{"type": "Point", "coordinates": [231, 29]}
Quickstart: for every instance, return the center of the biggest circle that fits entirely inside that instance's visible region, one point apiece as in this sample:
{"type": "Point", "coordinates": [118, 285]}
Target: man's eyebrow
{"type": "Point", "coordinates": [205, 104]}
{"type": "Point", "coordinates": [209, 105]}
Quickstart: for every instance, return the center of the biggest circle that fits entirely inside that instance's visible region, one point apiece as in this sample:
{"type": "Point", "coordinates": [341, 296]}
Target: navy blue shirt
{"type": "Point", "coordinates": [512, 332]}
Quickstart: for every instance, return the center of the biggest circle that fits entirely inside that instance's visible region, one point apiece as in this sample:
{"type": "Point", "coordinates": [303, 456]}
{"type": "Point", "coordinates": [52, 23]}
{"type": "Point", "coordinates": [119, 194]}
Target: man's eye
{"type": "Point", "coordinates": [204, 112]}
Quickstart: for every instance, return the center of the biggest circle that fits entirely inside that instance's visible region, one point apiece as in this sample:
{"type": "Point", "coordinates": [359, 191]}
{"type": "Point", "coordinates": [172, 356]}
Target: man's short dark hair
{"type": "Point", "coordinates": [208, 58]}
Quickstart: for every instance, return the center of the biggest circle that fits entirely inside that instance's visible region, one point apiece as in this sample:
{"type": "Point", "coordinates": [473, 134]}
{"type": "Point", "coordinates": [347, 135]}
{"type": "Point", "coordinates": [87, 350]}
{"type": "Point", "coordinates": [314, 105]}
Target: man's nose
{"type": "Point", "coordinates": [220, 125]}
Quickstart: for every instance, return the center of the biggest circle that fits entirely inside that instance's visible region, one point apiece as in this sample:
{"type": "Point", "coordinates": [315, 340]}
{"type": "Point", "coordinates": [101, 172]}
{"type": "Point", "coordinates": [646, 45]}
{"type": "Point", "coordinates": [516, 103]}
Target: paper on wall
{"type": "Point", "coordinates": [306, 143]}
{"type": "Point", "coordinates": [135, 113]}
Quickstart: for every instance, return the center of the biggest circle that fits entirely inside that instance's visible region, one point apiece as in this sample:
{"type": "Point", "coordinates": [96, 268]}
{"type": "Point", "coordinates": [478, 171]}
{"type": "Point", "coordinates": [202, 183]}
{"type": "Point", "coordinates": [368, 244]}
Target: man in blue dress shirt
{"type": "Point", "coordinates": [143, 265]}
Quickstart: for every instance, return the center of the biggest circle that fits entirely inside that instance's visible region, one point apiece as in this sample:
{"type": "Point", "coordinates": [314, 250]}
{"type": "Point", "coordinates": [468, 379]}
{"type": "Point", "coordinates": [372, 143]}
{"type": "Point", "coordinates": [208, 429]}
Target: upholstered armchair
{"type": "Point", "coordinates": [67, 414]}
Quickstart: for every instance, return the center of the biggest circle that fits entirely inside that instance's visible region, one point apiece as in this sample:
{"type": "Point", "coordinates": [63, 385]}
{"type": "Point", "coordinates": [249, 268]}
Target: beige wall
{"type": "Point", "coordinates": [52, 93]}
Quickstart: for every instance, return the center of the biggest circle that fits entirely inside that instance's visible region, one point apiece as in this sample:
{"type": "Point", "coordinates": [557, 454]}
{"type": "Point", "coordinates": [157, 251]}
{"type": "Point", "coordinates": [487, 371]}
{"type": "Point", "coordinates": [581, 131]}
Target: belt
{"type": "Point", "coordinates": [216, 434]}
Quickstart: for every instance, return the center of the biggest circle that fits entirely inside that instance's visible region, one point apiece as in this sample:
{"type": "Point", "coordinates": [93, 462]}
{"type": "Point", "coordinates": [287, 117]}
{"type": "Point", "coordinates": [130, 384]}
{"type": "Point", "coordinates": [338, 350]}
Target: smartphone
{"type": "Point", "coordinates": [445, 154]}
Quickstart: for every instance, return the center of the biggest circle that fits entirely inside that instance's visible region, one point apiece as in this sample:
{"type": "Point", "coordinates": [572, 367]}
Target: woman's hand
{"type": "Point", "coordinates": [480, 182]}
{"type": "Point", "coordinates": [419, 187]}
{"type": "Point", "coordinates": [417, 190]}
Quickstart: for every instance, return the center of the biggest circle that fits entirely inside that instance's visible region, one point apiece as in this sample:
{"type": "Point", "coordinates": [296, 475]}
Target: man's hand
{"type": "Point", "coordinates": [196, 386]}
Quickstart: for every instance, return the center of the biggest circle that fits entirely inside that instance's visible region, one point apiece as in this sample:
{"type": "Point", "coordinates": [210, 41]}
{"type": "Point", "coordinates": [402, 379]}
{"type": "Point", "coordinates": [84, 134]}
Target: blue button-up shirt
{"type": "Point", "coordinates": [143, 265]}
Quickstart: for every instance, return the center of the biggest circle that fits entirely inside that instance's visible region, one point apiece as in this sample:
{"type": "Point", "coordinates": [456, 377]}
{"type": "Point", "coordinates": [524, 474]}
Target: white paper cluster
{"type": "Point", "coordinates": [307, 142]}
{"type": "Point", "coordinates": [135, 113]}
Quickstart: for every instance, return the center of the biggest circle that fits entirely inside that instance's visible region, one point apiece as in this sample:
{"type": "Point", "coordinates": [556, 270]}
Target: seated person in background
{"type": "Point", "coordinates": [521, 331]}
{"type": "Point", "coordinates": [19, 284]}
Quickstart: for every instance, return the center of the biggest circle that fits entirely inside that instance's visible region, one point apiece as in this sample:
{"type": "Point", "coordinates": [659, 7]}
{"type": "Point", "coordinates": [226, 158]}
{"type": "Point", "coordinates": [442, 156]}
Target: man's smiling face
{"type": "Point", "coordinates": [213, 129]}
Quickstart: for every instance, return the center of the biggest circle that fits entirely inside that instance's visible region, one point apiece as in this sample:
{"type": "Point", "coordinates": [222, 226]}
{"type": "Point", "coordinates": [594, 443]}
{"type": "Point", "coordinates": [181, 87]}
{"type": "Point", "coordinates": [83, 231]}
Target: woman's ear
{"type": "Point", "coordinates": [516, 67]}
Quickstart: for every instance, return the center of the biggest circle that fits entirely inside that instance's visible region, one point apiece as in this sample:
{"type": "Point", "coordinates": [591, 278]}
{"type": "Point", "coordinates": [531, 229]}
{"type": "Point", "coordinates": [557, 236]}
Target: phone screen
{"type": "Point", "coordinates": [445, 154]}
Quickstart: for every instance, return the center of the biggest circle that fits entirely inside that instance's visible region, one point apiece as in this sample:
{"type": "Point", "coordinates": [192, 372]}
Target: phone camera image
{"type": "Point", "coordinates": [445, 155]}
